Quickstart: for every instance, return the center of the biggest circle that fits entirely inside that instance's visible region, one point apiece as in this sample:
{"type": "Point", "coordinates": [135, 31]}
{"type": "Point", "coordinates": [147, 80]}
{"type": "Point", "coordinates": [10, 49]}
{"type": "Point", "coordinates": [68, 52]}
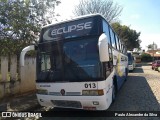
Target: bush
{"type": "Point", "coordinates": [146, 57]}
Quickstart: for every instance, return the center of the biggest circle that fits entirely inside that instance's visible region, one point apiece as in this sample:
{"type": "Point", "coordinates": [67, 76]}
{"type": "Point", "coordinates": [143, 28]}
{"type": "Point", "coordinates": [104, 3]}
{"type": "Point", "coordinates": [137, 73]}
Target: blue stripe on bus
{"type": "Point", "coordinates": [120, 80]}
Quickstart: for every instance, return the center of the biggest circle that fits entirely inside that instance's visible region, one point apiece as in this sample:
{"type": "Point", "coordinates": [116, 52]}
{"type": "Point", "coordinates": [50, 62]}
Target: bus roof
{"type": "Point", "coordinates": [73, 19]}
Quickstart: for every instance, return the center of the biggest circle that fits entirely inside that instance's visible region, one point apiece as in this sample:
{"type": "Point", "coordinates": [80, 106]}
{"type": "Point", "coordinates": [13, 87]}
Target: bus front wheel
{"type": "Point", "coordinates": [113, 93]}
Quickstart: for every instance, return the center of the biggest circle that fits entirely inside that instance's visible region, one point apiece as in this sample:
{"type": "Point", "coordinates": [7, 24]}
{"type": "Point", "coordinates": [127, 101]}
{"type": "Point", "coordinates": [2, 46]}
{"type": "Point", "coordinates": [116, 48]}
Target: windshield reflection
{"type": "Point", "coordinates": [76, 61]}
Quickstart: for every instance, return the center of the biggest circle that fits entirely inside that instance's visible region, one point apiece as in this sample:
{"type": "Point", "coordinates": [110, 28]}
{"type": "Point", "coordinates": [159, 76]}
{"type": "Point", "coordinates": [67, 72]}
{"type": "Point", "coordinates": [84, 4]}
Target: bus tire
{"type": "Point", "coordinates": [126, 74]}
{"type": "Point", "coordinates": [114, 90]}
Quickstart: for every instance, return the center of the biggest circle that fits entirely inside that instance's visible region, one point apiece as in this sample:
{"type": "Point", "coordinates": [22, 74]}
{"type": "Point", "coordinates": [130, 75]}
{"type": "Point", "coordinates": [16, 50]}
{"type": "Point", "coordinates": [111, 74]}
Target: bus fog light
{"type": "Point", "coordinates": [85, 92]}
{"type": "Point", "coordinates": [92, 92]}
{"type": "Point", "coordinates": [95, 103]}
{"type": "Point", "coordinates": [41, 100]}
{"type": "Point", "coordinates": [100, 92]}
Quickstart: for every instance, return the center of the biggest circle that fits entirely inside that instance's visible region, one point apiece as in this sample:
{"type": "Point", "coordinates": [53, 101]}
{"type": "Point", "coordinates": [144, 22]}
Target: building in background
{"type": "Point", "coordinates": [137, 55]}
{"type": "Point", "coordinates": [154, 53]}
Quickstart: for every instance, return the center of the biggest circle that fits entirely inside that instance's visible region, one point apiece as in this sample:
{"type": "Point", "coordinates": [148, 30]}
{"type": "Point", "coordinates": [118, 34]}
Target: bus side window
{"type": "Point", "coordinates": [133, 58]}
{"type": "Point", "coordinates": [112, 38]}
{"type": "Point", "coordinates": [117, 41]}
{"type": "Point", "coordinates": [106, 31]}
{"type": "Point", "coordinates": [108, 68]}
{"type": "Point", "coordinates": [110, 53]}
{"type": "Point", "coordinates": [122, 48]}
{"type": "Point", "coordinates": [120, 45]}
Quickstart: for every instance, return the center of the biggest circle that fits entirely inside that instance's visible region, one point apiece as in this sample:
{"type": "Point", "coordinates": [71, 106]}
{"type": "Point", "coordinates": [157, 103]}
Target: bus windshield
{"type": "Point", "coordinates": [129, 56]}
{"type": "Point", "coordinates": [74, 60]}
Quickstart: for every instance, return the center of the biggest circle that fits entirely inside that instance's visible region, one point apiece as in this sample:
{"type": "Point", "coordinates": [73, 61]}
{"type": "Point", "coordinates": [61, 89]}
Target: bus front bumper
{"type": "Point", "coordinates": [76, 102]}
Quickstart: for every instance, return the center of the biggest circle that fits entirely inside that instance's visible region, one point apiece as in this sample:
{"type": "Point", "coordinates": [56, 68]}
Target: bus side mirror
{"type": "Point", "coordinates": [24, 51]}
{"type": "Point", "coordinates": [103, 48]}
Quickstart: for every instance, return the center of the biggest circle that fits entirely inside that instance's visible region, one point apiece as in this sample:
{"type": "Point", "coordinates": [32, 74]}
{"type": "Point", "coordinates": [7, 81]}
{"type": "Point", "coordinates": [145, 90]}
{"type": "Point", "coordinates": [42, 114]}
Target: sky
{"type": "Point", "coordinates": [141, 15]}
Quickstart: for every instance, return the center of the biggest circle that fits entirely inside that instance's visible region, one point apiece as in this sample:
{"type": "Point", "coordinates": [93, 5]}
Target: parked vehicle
{"type": "Point", "coordinates": [131, 61]}
{"type": "Point", "coordinates": [155, 64]}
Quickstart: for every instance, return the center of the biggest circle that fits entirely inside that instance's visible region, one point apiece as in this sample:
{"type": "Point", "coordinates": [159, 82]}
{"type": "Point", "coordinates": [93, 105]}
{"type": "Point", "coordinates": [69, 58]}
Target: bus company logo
{"type": "Point", "coordinates": [62, 92]}
{"type": "Point", "coordinates": [50, 33]}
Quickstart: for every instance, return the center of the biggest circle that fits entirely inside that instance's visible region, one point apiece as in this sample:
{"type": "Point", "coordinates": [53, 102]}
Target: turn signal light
{"type": "Point", "coordinates": [92, 92]}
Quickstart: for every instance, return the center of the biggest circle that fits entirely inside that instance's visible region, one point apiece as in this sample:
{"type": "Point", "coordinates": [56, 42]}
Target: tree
{"type": "Point", "coordinates": [146, 57]}
{"type": "Point", "coordinates": [42, 11]}
{"type": "Point", "coordinates": [152, 46]}
{"type": "Point", "coordinates": [129, 36]}
{"type": "Point", "coordinates": [110, 10]}
{"type": "Point", "coordinates": [19, 26]}
{"type": "Point", "coordinates": [15, 28]}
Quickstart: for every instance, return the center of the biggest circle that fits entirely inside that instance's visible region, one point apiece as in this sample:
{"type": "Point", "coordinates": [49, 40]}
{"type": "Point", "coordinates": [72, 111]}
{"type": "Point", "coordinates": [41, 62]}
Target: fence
{"type": "Point", "coordinates": [15, 79]}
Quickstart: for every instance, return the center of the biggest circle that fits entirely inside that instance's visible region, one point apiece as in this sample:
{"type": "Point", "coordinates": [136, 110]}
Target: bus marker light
{"type": "Point", "coordinates": [95, 103]}
{"type": "Point", "coordinates": [92, 92]}
{"type": "Point", "coordinates": [41, 100]}
{"type": "Point", "coordinates": [100, 92]}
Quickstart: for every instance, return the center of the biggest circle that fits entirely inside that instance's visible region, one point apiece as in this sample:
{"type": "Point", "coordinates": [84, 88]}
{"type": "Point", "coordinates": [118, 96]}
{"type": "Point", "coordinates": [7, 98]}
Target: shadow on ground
{"type": "Point", "coordinates": [138, 69]}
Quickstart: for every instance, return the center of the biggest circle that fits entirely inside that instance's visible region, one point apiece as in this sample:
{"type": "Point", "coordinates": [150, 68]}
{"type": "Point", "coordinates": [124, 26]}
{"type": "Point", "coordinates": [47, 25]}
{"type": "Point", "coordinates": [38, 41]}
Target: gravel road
{"type": "Point", "coordinates": [141, 92]}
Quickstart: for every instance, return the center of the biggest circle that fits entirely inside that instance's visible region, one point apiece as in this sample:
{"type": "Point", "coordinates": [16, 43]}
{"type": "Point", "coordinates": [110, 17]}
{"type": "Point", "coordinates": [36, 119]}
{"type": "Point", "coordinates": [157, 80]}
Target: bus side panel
{"type": "Point", "coordinates": [120, 65]}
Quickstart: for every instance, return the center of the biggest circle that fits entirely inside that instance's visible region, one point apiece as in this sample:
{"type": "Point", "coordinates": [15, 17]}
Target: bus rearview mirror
{"type": "Point", "coordinates": [24, 51]}
{"type": "Point", "coordinates": [103, 48]}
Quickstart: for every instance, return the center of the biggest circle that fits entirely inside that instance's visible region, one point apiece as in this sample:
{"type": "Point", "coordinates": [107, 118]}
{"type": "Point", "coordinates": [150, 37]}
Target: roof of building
{"type": "Point", "coordinates": [155, 53]}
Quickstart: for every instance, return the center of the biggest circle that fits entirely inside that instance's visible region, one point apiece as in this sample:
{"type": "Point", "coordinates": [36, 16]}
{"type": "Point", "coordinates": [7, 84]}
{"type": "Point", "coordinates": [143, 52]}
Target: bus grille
{"type": "Point", "coordinates": [73, 93]}
{"type": "Point", "coordinates": [67, 93]}
{"type": "Point", "coordinates": [65, 103]}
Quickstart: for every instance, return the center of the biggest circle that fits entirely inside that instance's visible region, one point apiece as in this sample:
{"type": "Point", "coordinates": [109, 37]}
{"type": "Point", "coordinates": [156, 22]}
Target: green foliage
{"type": "Point", "coordinates": [43, 11]}
{"type": "Point", "coordinates": [16, 29]}
{"type": "Point", "coordinates": [128, 35]}
{"type": "Point", "coordinates": [19, 27]}
{"type": "Point", "coordinates": [152, 46]}
{"type": "Point", "coordinates": [146, 57]}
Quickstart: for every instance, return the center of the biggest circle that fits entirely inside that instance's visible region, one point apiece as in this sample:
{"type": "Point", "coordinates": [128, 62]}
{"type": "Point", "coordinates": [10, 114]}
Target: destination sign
{"type": "Point", "coordinates": [78, 28]}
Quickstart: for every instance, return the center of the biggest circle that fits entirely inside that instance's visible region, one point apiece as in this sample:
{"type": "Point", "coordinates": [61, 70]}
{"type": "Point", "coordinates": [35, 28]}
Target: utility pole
{"type": "Point", "coordinates": [153, 50]}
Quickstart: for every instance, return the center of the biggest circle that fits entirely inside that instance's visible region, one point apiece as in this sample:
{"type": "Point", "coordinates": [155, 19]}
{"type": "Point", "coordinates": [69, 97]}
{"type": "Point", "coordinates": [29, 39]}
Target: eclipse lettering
{"type": "Point", "coordinates": [78, 27]}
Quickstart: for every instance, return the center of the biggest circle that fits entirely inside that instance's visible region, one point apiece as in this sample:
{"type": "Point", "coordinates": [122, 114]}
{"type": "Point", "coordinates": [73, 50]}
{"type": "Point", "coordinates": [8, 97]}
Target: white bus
{"type": "Point", "coordinates": [81, 64]}
{"type": "Point", "coordinates": [131, 61]}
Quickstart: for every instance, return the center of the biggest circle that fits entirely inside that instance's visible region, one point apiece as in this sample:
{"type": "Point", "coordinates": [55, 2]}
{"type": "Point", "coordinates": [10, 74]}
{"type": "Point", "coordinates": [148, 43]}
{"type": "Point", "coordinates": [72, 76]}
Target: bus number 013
{"type": "Point", "coordinates": [90, 85]}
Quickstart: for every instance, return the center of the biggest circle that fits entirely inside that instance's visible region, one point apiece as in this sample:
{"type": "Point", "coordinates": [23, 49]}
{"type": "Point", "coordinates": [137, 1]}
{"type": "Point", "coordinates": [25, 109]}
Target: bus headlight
{"type": "Point", "coordinates": [42, 91]}
{"type": "Point", "coordinates": [92, 92]}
